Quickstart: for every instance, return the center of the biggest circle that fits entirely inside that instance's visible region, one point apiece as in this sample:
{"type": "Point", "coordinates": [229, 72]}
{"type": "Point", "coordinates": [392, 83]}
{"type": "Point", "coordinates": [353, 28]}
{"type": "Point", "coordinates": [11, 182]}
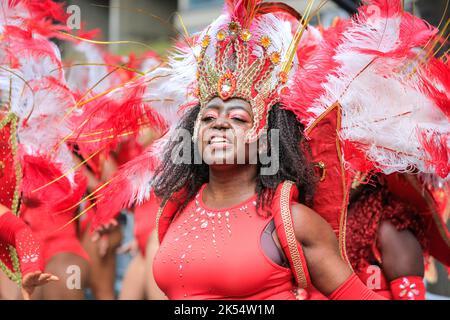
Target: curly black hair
{"type": "Point", "coordinates": [294, 163]}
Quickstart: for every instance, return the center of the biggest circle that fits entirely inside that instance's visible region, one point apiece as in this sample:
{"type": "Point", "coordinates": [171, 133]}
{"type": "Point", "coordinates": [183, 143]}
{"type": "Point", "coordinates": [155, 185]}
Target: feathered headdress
{"type": "Point", "coordinates": [248, 52]}
{"type": "Point", "coordinates": [393, 102]}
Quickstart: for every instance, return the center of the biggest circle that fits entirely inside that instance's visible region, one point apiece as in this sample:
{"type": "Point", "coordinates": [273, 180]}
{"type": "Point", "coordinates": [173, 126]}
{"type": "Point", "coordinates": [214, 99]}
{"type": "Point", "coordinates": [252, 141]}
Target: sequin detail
{"type": "Point", "coordinates": [197, 227]}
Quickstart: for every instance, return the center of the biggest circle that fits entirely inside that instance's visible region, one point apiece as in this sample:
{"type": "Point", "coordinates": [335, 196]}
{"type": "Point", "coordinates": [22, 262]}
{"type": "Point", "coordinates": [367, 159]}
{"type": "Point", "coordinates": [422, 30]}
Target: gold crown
{"type": "Point", "coordinates": [237, 73]}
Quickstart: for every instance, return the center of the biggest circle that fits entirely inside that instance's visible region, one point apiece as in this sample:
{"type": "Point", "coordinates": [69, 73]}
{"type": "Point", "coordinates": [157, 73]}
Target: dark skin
{"type": "Point", "coordinates": [101, 247]}
{"type": "Point", "coordinates": [58, 265]}
{"type": "Point", "coordinates": [400, 251]}
{"type": "Point", "coordinates": [233, 183]}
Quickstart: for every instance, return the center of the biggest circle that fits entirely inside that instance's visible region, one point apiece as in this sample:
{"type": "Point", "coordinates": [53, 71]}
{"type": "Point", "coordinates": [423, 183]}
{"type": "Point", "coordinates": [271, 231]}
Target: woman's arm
{"type": "Point", "coordinates": [15, 232]}
{"type": "Point", "coordinates": [3, 210]}
{"type": "Point", "coordinates": [403, 265]}
{"type": "Point", "coordinates": [330, 274]}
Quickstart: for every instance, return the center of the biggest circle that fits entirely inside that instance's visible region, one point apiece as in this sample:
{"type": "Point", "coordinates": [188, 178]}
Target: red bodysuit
{"type": "Point", "coordinates": [217, 254]}
{"type": "Point", "coordinates": [49, 224]}
{"type": "Point", "coordinates": [55, 239]}
{"type": "Point", "coordinates": [144, 223]}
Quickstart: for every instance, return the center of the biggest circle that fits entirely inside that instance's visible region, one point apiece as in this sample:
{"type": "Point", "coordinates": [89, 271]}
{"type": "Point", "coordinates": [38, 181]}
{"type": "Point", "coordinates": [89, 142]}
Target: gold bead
{"type": "Point", "coordinates": [233, 27]}
{"type": "Point", "coordinates": [265, 41]}
{"type": "Point", "coordinates": [275, 57]}
{"type": "Point", "coordinates": [283, 77]}
{"type": "Point", "coordinates": [246, 35]}
{"type": "Point", "coordinates": [221, 35]}
{"type": "Point", "coordinates": [205, 41]}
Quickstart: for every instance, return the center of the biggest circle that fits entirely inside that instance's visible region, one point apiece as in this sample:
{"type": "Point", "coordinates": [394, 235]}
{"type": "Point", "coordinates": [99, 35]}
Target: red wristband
{"type": "Point", "coordinates": [408, 288]}
{"type": "Point", "coordinates": [14, 232]}
{"type": "Point", "coordinates": [354, 289]}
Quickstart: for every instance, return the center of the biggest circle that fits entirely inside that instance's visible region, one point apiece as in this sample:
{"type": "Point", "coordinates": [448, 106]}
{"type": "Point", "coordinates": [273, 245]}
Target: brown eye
{"type": "Point", "coordinates": [239, 119]}
{"type": "Point", "coordinates": [208, 118]}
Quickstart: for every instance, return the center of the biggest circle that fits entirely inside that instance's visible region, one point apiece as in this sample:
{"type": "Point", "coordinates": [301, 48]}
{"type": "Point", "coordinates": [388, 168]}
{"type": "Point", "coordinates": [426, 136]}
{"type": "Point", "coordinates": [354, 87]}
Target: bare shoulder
{"type": "Point", "coordinates": [310, 228]}
{"type": "Point", "coordinates": [153, 238]}
{"type": "Point", "coordinates": [3, 209]}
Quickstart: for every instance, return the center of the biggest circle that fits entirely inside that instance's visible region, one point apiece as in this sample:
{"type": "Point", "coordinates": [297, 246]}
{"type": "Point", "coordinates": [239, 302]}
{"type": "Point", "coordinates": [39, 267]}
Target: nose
{"type": "Point", "coordinates": [221, 123]}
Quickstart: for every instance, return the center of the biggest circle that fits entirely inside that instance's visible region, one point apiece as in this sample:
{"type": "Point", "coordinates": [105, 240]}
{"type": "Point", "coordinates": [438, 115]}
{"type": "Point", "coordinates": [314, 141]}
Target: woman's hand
{"type": "Point", "coordinates": [129, 247]}
{"type": "Point", "coordinates": [106, 238]}
{"type": "Point", "coordinates": [104, 229]}
{"type": "Point", "coordinates": [35, 279]}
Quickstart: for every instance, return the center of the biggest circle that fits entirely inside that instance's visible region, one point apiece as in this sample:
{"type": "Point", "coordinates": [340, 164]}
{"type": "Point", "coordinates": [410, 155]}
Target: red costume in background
{"type": "Point", "coordinates": [144, 223]}
{"type": "Point", "coordinates": [392, 199]}
{"type": "Point", "coordinates": [53, 224]}
{"type": "Point", "coordinates": [364, 219]}
{"type": "Point", "coordinates": [57, 237]}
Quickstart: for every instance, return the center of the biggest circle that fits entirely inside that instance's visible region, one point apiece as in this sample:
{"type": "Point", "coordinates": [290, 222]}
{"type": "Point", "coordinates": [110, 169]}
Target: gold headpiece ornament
{"type": "Point", "coordinates": [236, 62]}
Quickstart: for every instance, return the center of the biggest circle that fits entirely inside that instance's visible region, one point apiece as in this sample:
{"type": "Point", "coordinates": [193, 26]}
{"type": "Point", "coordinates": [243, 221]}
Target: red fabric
{"type": "Point", "coordinates": [354, 289]}
{"type": "Point", "coordinates": [202, 258]}
{"type": "Point", "coordinates": [7, 168]}
{"type": "Point", "coordinates": [128, 150]}
{"type": "Point", "coordinates": [324, 145]}
{"type": "Point", "coordinates": [382, 288]}
{"type": "Point", "coordinates": [144, 223]}
{"type": "Point", "coordinates": [364, 218]}
{"type": "Point", "coordinates": [54, 237]}
{"type": "Point", "coordinates": [48, 219]}
{"type": "Point", "coordinates": [170, 209]}
{"type": "Point", "coordinates": [14, 232]}
{"type": "Point", "coordinates": [408, 288]}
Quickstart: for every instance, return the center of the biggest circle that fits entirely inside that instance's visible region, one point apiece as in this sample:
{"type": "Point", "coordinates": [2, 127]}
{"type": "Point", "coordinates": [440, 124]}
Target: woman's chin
{"type": "Point", "coordinates": [218, 161]}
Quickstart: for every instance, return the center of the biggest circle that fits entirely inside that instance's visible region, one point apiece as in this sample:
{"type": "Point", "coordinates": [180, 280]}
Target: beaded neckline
{"type": "Point", "coordinates": [243, 205]}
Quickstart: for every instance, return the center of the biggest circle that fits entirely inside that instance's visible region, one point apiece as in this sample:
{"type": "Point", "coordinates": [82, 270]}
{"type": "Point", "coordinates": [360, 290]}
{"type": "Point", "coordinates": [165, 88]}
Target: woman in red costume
{"type": "Point", "coordinates": [391, 228]}
{"type": "Point", "coordinates": [62, 251]}
{"type": "Point", "coordinates": [226, 232]}
{"type": "Point", "coordinates": [101, 154]}
{"type": "Point", "coordinates": [14, 232]}
{"type": "Point", "coordinates": [224, 224]}
{"type": "Point", "coordinates": [42, 187]}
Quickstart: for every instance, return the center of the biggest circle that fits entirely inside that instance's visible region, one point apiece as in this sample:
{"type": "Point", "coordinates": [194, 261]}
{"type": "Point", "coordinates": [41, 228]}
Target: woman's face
{"type": "Point", "coordinates": [222, 132]}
